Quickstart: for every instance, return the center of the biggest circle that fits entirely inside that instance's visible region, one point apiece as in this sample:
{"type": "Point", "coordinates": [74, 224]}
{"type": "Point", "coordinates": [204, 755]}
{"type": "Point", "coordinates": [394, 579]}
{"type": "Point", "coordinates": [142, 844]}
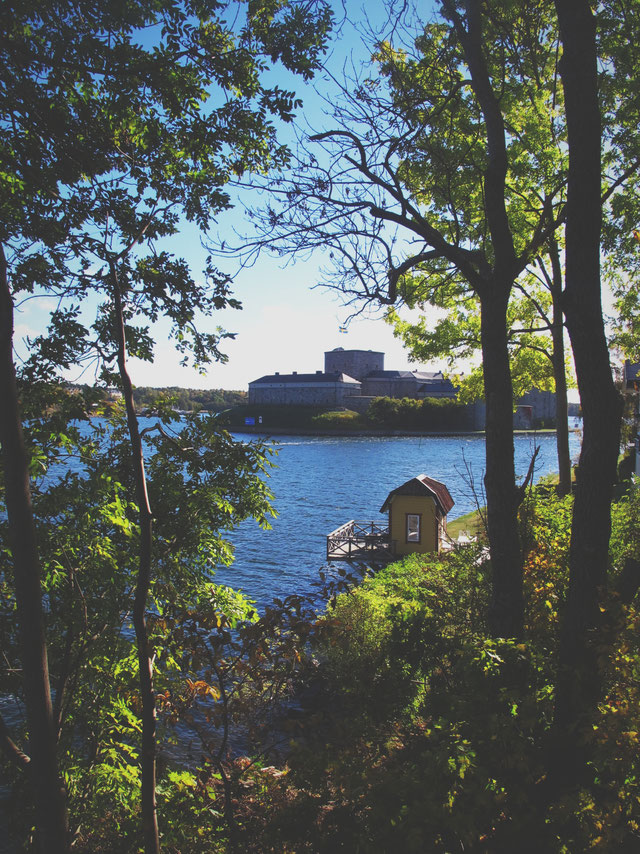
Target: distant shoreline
{"type": "Point", "coordinates": [261, 430]}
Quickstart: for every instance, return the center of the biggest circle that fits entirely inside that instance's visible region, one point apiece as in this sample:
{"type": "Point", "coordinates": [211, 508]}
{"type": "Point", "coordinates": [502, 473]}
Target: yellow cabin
{"type": "Point", "coordinates": [417, 523]}
{"type": "Point", "coordinates": [418, 515]}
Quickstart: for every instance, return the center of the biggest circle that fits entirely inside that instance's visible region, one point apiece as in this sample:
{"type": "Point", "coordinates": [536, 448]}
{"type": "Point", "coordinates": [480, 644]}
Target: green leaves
{"type": "Point", "coordinates": [202, 483]}
{"type": "Point", "coordinates": [117, 514]}
{"type": "Point", "coordinates": [150, 110]}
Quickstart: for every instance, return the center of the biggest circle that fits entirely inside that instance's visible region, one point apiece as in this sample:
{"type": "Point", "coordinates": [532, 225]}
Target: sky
{"type": "Point", "coordinates": [285, 325]}
{"type": "Point", "coordinates": [286, 322]}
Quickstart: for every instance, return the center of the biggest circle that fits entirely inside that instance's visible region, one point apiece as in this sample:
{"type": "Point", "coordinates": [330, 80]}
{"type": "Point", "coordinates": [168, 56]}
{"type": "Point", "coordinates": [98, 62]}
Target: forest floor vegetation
{"type": "Point", "coordinates": [390, 722]}
{"type": "Point", "coordinates": [419, 732]}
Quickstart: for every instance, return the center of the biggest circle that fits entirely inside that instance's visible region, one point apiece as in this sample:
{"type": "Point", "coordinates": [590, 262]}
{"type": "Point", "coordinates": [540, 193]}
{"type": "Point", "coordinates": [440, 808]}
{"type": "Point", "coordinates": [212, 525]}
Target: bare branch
{"type": "Point", "coordinates": [11, 749]}
{"type": "Point", "coordinates": [522, 490]}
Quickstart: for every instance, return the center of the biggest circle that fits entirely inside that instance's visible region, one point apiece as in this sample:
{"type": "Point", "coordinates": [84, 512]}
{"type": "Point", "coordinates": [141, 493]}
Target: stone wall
{"type": "Point", "coordinates": [314, 394]}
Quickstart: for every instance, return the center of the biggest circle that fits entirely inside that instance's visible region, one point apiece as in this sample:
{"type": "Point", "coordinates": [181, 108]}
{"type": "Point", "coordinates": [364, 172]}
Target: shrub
{"type": "Point", "coordinates": [432, 413]}
{"type": "Point", "coordinates": [435, 737]}
{"type": "Point", "coordinates": [338, 420]}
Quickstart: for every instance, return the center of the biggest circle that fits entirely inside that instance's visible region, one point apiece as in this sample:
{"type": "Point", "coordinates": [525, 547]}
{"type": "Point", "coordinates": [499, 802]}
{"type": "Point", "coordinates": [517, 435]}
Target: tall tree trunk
{"type": "Point", "coordinates": [601, 404]}
{"type": "Point", "coordinates": [145, 661]}
{"type": "Point", "coordinates": [506, 612]}
{"type": "Point", "coordinates": [493, 288]}
{"type": "Point", "coordinates": [560, 374]}
{"type": "Point", "coordinates": [48, 792]}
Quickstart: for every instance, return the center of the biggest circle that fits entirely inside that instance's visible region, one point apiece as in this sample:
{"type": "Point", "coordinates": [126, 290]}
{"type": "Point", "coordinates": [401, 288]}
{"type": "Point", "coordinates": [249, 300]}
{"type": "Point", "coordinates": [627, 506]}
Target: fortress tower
{"type": "Point", "coordinates": [353, 363]}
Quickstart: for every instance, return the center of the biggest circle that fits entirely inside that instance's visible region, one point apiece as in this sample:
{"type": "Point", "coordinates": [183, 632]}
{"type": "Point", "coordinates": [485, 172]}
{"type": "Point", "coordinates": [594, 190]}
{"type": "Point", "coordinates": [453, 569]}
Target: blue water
{"type": "Point", "coordinates": [322, 482]}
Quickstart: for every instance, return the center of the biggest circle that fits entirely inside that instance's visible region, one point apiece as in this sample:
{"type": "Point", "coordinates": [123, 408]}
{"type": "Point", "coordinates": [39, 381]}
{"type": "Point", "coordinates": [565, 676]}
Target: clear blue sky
{"type": "Point", "coordinates": [286, 323]}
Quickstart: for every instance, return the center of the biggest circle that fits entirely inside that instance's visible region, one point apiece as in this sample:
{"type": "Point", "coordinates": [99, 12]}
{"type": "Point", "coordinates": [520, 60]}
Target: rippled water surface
{"type": "Point", "coordinates": [322, 482]}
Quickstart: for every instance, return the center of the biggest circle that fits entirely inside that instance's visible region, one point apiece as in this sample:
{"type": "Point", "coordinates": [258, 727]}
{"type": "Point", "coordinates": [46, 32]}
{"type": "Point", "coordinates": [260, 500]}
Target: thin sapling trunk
{"type": "Point", "coordinates": [143, 584]}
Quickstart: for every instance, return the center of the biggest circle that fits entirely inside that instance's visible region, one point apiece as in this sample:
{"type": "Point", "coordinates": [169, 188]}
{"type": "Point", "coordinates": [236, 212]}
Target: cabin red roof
{"type": "Point", "coordinates": [421, 485]}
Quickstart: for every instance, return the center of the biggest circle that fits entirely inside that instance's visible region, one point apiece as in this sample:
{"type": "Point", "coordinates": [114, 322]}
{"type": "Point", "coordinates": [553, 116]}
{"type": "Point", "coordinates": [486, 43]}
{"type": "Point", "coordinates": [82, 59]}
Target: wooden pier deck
{"type": "Point", "coordinates": [355, 541]}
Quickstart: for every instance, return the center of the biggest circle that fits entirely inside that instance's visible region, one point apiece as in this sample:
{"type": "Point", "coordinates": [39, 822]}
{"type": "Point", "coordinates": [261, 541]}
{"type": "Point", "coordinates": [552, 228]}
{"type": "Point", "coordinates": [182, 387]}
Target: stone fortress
{"type": "Point", "coordinates": [353, 378]}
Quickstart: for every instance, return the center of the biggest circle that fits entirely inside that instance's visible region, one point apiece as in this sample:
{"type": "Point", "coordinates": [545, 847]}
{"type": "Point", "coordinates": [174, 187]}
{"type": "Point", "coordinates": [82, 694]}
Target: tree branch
{"type": "Point", "coordinates": [11, 749]}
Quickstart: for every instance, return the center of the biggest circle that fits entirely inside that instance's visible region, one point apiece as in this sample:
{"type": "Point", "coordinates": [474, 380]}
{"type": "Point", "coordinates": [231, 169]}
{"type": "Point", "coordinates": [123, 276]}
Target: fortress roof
{"type": "Point", "coordinates": [389, 375]}
{"type": "Point", "coordinates": [318, 377]}
{"type": "Point", "coordinates": [429, 377]}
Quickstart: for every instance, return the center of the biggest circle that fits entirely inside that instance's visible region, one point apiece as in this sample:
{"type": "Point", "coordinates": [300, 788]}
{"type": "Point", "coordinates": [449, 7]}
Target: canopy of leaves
{"type": "Point", "coordinates": [401, 181]}
{"type": "Point", "coordinates": [118, 122]}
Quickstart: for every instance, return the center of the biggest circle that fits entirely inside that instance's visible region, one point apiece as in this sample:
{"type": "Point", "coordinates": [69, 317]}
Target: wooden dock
{"type": "Point", "coordinates": [355, 541]}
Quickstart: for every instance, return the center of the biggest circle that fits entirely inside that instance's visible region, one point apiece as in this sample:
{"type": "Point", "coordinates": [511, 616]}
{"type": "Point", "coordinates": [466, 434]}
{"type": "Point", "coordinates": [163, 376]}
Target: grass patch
{"type": "Point", "coordinates": [339, 420]}
{"type": "Point", "coordinates": [470, 524]}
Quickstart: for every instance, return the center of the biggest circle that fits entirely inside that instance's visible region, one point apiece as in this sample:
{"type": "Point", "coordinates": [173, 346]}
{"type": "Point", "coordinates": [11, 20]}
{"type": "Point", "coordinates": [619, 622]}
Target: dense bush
{"type": "Point", "coordinates": [339, 420]}
{"type": "Point", "coordinates": [433, 737]}
{"type": "Point", "coordinates": [432, 413]}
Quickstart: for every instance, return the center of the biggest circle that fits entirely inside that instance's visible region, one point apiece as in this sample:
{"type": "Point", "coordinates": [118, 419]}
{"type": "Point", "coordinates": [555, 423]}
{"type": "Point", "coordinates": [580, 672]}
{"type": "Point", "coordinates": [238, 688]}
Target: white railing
{"type": "Point", "coordinates": [355, 540]}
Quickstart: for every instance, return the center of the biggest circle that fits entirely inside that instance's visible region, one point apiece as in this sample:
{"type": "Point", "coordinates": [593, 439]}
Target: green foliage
{"type": "Point", "coordinates": [402, 614]}
{"type": "Point", "coordinates": [625, 528]}
{"type": "Point", "coordinates": [434, 737]}
{"type": "Point", "coordinates": [131, 122]}
{"type": "Point", "coordinates": [201, 484]}
{"type": "Point", "coordinates": [454, 334]}
{"type": "Point", "coordinates": [432, 413]}
{"type": "Point", "coordinates": [618, 34]}
{"type": "Point", "coordinates": [545, 521]}
{"type": "Point", "coordinates": [339, 420]}
{"type": "Point", "coordinates": [188, 399]}
{"type": "Point", "coordinates": [120, 122]}
{"type": "Point", "coordinates": [423, 734]}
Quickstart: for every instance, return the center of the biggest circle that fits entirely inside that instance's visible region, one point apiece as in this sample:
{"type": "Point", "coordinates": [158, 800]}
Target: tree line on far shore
{"type": "Point", "coordinates": [190, 399]}
{"type": "Point", "coordinates": [182, 399]}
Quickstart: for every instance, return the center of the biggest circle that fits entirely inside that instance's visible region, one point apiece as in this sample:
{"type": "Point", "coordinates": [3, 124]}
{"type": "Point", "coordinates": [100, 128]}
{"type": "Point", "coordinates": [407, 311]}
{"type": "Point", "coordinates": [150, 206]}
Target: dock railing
{"type": "Point", "coordinates": [360, 541]}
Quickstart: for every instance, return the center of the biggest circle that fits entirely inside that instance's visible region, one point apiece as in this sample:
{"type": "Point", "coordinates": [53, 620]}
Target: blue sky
{"type": "Point", "coordinates": [287, 321]}
{"type": "Point", "coordinates": [286, 324]}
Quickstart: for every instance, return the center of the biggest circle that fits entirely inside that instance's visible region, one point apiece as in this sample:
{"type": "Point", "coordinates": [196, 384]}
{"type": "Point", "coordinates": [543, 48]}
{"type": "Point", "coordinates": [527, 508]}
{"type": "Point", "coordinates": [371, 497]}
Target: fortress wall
{"type": "Point", "coordinates": [316, 394]}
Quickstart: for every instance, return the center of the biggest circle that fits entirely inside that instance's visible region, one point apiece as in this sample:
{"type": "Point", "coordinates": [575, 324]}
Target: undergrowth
{"type": "Point", "coordinates": [433, 737]}
{"type": "Point", "coordinates": [410, 729]}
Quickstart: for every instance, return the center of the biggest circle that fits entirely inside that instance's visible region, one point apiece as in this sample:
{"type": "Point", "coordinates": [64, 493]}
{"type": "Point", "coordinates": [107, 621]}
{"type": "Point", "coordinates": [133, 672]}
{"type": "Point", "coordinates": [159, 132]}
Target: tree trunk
{"type": "Point", "coordinates": [601, 404]}
{"type": "Point", "coordinates": [48, 793]}
{"type": "Point", "coordinates": [560, 375]}
{"type": "Point", "coordinates": [145, 662]}
{"type": "Point", "coordinates": [506, 612]}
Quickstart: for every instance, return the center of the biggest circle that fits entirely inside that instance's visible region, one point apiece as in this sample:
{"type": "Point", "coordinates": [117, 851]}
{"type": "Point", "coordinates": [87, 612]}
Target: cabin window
{"type": "Point", "coordinates": [413, 527]}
